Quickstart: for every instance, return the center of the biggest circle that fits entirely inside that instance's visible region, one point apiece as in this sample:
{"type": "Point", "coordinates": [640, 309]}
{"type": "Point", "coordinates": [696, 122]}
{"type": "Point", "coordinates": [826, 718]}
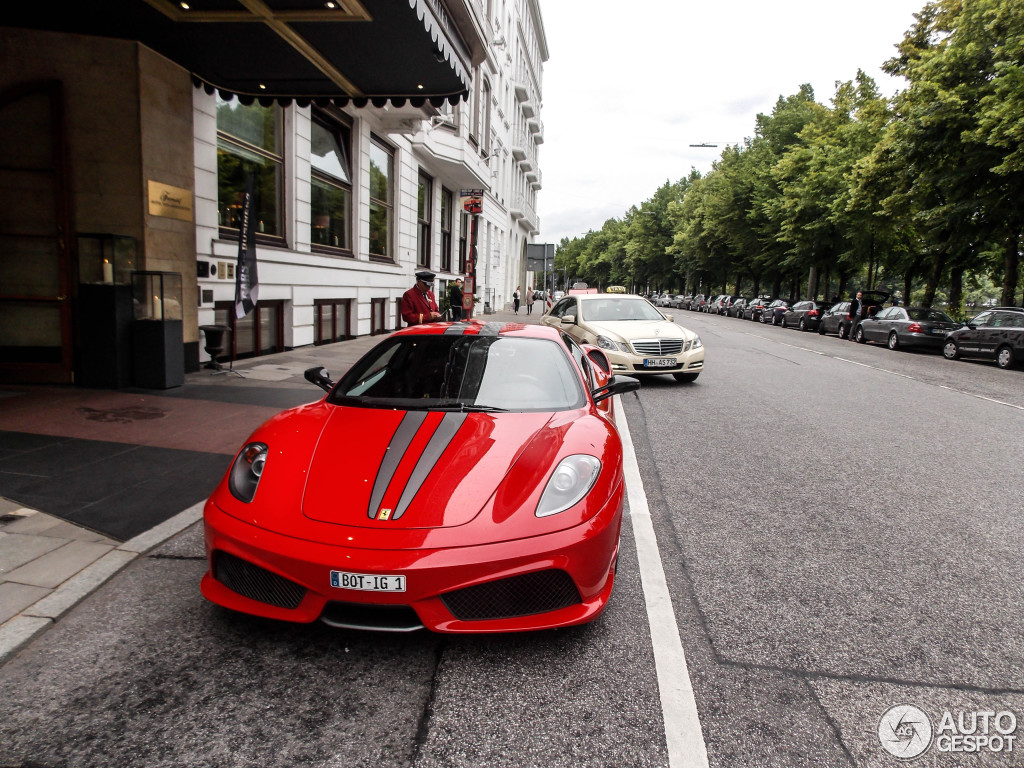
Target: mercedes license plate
{"type": "Point", "coordinates": [367, 582]}
{"type": "Point", "coordinates": [659, 362]}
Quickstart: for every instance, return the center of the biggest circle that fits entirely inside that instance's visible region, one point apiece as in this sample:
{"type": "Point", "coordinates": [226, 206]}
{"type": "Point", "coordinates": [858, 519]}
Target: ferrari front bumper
{"type": "Point", "coordinates": [553, 580]}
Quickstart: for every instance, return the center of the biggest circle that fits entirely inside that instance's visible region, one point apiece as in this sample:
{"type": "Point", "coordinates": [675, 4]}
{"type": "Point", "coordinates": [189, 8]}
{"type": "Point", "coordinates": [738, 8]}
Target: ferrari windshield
{"type": "Point", "coordinates": [463, 372]}
{"type": "Point", "coordinates": [613, 308]}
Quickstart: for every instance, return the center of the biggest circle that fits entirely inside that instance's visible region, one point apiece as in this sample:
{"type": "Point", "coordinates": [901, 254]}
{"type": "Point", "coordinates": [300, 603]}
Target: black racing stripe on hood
{"type": "Point", "coordinates": [441, 439]}
{"type": "Point", "coordinates": [399, 444]}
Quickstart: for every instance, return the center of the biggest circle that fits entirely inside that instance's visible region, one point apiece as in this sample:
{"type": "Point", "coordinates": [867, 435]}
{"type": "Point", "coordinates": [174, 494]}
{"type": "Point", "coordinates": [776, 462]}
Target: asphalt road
{"type": "Point", "coordinates": [840, 528]}
{"type": "Point", "coordinates": [842, 532]}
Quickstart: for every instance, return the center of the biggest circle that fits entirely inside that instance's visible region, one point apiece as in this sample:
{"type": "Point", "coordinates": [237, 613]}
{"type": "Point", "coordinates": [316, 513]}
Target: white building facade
{"type": "Point", "coordinates": [352, 201]}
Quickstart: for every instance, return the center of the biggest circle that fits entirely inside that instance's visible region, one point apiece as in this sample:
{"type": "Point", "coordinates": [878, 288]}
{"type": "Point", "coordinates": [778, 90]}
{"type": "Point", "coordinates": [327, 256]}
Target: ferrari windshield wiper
{"type": "Point", "coordinates": [468, 408]}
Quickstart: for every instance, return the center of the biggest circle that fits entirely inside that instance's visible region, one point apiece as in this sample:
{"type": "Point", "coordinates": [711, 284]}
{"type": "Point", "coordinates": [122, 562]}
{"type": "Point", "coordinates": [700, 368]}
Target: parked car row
{"type": "Point", "coordinates": [996, 333]}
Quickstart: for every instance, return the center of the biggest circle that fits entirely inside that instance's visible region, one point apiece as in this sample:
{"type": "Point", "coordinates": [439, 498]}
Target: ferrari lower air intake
{"type": "Point", "coordinates": [524, 595]}
{"type": "Point", "coordinates": [256, 583]}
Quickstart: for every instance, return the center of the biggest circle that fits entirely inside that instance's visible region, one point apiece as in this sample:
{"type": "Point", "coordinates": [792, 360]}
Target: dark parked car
{"type": "Point", "coordinates": [727, 301]}
{"type": "Point", "coordinates": [735, 309]}
{"type": "Point", "coordinates": [773, 312]}
{"type": "Point", "coordinates": [804, 315]}
{"type": "Point", "coordinates": [906, 327]}
{"type": "Point", "coordinates": [754, 308]}
{"type": "Point", "coordinates": [835, 320]}
{"type": "Point", "coordinates": [997, 334]}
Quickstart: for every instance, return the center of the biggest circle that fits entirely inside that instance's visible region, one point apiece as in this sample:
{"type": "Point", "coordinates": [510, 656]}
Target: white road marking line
{"type": "Point", "coordinates": [683, 733]}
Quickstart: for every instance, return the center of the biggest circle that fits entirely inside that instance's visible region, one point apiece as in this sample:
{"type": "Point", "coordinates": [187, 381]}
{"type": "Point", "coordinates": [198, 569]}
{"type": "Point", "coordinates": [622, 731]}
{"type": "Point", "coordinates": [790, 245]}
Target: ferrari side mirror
{"type": "Point", "coordinates": [318, 375]}
{"type": "Point", "coordinates": [617, 385]}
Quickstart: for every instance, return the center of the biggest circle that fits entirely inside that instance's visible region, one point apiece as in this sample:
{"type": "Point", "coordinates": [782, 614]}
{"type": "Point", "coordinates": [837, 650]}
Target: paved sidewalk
{"type": "Point", "coordinates": [48, 563]}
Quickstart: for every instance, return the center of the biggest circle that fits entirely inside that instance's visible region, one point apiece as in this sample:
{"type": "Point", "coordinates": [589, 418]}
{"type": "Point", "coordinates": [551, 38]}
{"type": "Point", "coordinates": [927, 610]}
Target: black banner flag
{"type": "Point", "coordinates": [247, 284]}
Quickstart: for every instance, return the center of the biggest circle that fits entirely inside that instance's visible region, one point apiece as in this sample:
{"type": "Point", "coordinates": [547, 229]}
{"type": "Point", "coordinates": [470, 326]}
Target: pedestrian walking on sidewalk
{"type": "Point", "coordinates": [455, 298]}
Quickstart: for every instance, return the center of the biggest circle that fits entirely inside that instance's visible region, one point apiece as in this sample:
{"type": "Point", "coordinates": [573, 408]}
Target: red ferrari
{"type": "Point", "coordinates": [463, 477]}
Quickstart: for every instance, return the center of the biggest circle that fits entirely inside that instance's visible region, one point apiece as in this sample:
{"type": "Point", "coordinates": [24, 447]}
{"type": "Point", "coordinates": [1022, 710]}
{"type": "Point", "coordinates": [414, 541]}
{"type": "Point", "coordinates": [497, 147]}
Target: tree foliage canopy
{"type": "Point", "coordinates": [921, 192]}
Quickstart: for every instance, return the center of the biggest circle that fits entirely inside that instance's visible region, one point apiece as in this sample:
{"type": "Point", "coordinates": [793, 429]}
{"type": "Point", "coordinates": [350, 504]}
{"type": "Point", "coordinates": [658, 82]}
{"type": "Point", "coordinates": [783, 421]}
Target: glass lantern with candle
{"type": "Point", "coordinates": [105, 258]}
{"type": "Point", "coordinates": [156, 295]}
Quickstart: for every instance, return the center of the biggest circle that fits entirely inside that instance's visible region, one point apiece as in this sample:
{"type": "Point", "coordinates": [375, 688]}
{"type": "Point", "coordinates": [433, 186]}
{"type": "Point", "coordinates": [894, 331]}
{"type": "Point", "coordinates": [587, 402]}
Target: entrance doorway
{"type": "Point", "coordinates": [35, 237]}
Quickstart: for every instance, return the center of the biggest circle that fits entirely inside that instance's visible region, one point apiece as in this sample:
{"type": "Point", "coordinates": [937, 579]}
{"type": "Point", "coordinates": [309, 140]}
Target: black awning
{"type": "Point", "coordinates": [364, 50]}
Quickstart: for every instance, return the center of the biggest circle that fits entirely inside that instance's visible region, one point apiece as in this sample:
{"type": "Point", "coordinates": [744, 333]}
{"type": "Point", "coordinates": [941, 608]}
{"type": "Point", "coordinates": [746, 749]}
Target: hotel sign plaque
{"type": "Point", "coordinates": [170, 202]}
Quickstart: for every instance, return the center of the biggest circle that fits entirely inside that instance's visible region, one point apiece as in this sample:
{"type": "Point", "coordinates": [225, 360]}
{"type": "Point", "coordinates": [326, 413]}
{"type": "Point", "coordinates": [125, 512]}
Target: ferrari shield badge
{"type": "Point", "coordinates": [384, 514]}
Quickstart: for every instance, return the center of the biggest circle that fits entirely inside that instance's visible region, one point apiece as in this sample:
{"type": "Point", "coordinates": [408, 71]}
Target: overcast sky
{"type": "Point", "coordinates": [629, 85]}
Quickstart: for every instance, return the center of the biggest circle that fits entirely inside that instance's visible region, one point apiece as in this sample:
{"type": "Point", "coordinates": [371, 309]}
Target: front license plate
{"type": "Point", "coordinates": [659, 362]}
{"type": "Point", "coordinates": [367, 582]}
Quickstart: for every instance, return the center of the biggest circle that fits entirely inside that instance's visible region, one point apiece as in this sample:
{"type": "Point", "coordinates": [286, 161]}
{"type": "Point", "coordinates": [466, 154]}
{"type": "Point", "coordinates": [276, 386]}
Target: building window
{"type": "Point", "coordinates": [331, 192]}
{"type": "Point", "coordinates": [424, 208]}
{"type": "Point", "coordinates": [249, 142]}
{"type": "Point", "coordinates": [485, 117]}
{"type": "Point", "coordinates": [463, 241]}
{"type": "Point", "coordinates": [333, 320]}
{"type": "Point", "coordinates": [261, 332]}
{"type": "Point", "coordinates": [378, 316]}
{"type": "Point", "coordinates": [446, 230]}
{"type": "Point", "coordinates": [382, 205]}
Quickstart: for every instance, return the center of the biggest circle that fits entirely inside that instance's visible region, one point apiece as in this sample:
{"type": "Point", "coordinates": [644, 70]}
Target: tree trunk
{"type": "Point", "coordinates": [812, 283]}
{"type": "Point", "coordinates": [1011, 264]}
{"type": "Point", "coordinates": [956, 291]}
{"type": "Point", "coordinates": [932, 284]}
{"type": "Point", "coordinates": [871, 262]}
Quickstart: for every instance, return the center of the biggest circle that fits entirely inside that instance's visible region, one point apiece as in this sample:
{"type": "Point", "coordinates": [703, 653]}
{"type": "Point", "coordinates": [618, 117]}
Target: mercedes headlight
{"type": "Point", "coordinates": [571, 481]}
{"type": "Point", "coordinates": [615, 346]}
{"type": "Point", "coordinates": [696, 343]}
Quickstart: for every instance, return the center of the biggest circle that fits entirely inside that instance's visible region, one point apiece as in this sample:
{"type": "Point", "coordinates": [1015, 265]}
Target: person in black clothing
{"type": "Point", "coordinates": [855, 314]}
{"type": "Point", "coordinates": [455, 298]}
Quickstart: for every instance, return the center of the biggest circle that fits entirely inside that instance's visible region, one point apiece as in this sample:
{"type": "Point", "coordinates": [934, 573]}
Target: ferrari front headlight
{"type": "Point", "coordinates": [572, 479]}
{"type": "Point", "coordinates": [247, 470]}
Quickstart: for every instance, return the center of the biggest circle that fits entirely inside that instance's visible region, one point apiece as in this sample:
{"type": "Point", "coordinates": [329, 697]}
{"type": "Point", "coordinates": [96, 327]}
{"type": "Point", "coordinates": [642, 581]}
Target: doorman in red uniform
{"type": "Point", "coordinates": [418, 303]}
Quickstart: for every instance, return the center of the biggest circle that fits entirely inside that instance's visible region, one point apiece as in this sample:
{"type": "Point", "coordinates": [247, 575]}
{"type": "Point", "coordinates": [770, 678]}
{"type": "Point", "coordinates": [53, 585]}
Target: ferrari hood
{"type": "Point", "coordinates": [412, 469]}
